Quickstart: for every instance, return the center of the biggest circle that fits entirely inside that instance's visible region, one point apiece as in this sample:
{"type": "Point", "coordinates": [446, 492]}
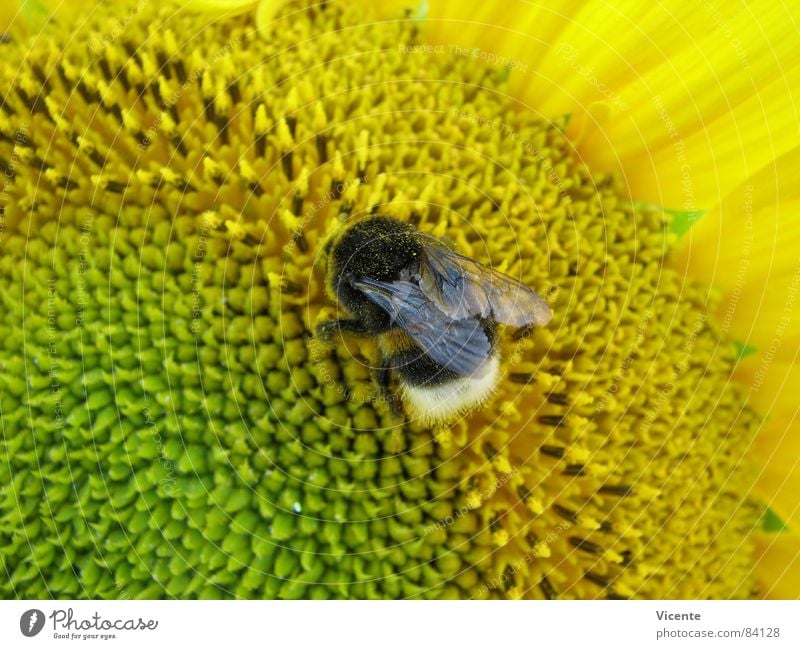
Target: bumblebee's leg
{"type": "Point", "coordinates": [327, 330]}
{"type": "Point", "coordinates": [383, 377]}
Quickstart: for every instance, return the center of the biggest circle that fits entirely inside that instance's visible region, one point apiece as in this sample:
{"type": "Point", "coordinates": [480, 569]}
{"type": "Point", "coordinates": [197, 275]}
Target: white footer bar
{"type": "Point", "coordinates": [401, 625]}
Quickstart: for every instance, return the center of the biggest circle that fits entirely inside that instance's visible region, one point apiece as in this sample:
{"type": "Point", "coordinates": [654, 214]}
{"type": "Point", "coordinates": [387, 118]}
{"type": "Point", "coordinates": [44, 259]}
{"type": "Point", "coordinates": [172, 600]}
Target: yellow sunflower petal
{"type": "Point", "coordinates": [8, 14]}
{"type": "Point", "coordinates": [705, 73]}
{"type": "Point", "coordinates": [769, 380]}
{"type": "Point", "coordinates": [21, 16]}
{"type": "Point", "coordinates": [228, 7]}
{"type": "Point", "coordinates": [34, 14]}
{"type": "Point", "coordinates": [703, 97]}
{"type": "Point", "coordinates": [700, 165]}
{"type": "Point", "coordinates": [745, 252]}
{"type": "Point", "coordinates": [265, 13]}
{"type": "Point", "coordinates": [776, 449]}
{"type": "Point", "coordinates": [517, 31]}
{"type": "Point", "coordinates": [604, 50]}
{"type": "Point", "coordinates": [778, 565]}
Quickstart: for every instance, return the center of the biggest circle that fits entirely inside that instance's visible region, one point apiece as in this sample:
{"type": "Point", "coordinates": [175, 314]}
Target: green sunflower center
{"type": "Point", "coordinates": [170, 427]}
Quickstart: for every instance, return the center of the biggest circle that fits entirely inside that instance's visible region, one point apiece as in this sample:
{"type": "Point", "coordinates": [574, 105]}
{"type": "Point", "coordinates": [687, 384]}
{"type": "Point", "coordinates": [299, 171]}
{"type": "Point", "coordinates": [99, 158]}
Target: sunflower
{"type": "Point", "coordinates": [172, 428]}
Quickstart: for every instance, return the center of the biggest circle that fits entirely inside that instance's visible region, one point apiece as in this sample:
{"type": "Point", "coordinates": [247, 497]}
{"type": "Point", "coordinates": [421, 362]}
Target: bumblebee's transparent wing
{"type": "Point", "coordinates": [462, 287]}
{"type": "Point", "coordinates": [458, 345]}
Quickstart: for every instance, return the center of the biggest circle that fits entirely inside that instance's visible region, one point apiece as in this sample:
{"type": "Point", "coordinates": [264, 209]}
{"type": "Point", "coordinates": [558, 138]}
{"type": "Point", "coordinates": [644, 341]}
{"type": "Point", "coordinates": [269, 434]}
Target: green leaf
{"type": "Point", "coordinates": [683, 220]}
{"type": "Point", "coordinates": [743, 350]}
{"type": "Point", "coordinates": [680, 222]}
{"type": "Point", "coordinates": [34, 12]}
{"type": "Point", "coordinates": [771, 522]}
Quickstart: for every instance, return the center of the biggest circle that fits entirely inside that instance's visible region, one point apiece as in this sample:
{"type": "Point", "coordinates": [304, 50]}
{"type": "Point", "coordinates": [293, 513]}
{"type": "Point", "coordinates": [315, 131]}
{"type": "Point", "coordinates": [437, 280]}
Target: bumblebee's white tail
{"type": "Point", "coordinates": [439, 403]}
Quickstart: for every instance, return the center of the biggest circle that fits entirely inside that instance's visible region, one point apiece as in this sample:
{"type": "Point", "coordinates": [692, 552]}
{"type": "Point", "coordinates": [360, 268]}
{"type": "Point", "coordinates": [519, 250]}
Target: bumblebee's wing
{"type": "Point", "coordinates": [462, 287]}
{"type": "Point", "coordinates": [458, 345]}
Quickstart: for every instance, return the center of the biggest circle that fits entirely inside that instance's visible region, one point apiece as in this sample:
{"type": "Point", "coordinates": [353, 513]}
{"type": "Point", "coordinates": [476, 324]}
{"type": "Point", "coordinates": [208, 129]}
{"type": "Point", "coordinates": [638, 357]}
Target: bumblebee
{"type": "Point", "coordinates": [434, 313]}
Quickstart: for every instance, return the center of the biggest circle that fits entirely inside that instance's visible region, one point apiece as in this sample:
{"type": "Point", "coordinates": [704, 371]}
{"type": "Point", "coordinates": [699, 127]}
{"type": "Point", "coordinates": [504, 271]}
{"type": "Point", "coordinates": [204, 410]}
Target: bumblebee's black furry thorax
{"type": "Point", "coordinates": [378, 248]}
